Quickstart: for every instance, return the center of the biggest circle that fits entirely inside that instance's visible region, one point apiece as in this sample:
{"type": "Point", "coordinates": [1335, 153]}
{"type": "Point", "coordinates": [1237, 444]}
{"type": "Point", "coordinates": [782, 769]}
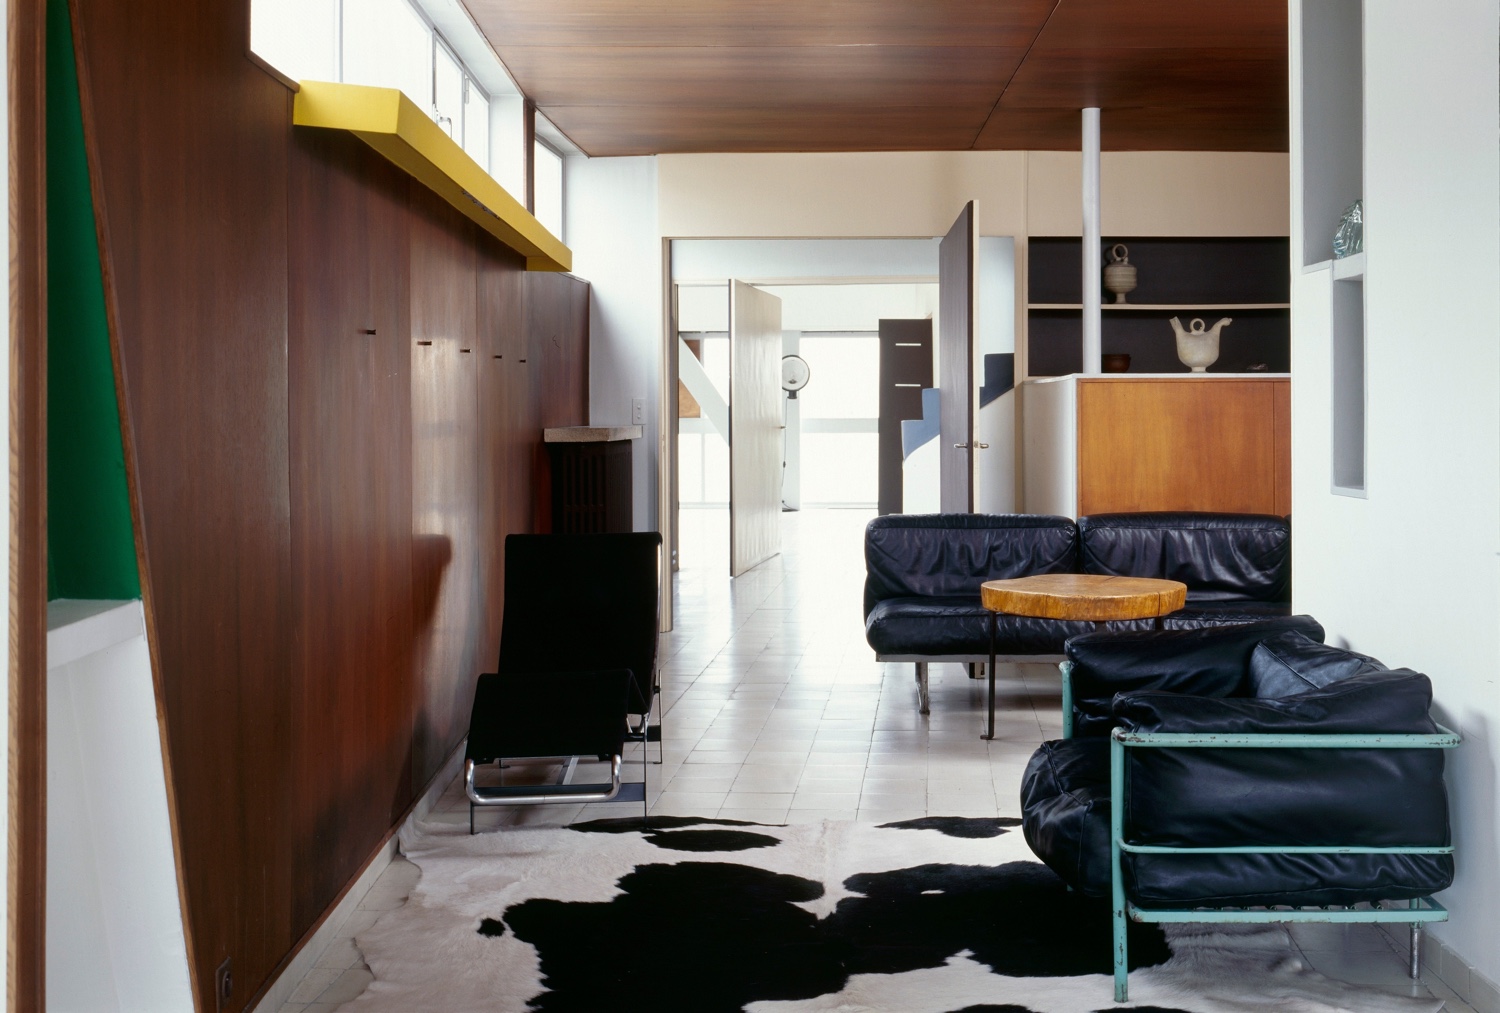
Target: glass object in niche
{"type": "Point", "coordinates": [1350, 237]}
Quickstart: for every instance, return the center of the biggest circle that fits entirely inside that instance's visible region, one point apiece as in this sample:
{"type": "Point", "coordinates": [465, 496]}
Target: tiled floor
{"type": "Point", "coordinates": [775, 710]}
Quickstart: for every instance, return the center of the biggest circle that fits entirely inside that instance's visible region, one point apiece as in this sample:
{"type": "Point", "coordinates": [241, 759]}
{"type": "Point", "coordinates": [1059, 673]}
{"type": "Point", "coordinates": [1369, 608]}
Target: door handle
{"type": "Point", "coordinates": [960, 446]}
{"type": "Point", "coordinates": [981, 446]}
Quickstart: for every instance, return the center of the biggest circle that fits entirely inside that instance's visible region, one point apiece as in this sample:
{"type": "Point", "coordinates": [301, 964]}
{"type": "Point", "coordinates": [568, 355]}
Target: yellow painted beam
{"type": "Point", "coordinates": [391, 123]}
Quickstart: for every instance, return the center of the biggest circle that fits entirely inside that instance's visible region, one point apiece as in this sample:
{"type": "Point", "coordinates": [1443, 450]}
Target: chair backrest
{"type": "Point", "coordinates": [560, 714]}
{"type": "Point", "coordinates": [1220, 557]}
{"type": "Point", "coordinates": [952, 554]}
{"type": "Point", "coordinates": [583, 603]}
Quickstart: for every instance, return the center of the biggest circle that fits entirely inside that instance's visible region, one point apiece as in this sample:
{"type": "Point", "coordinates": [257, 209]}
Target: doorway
{"type": "Point", "coordinates": [833, 295]}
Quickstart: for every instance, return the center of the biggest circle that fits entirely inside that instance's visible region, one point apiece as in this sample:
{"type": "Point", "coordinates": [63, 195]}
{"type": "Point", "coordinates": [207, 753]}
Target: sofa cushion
{"type": "Point", "coordinates": [938, 555]}
{"type": "Point", "coordinates": [1206, 662]}
{"type": "Point", "coordinates": [1289, 663]}
{"type": "Point", "coordinates": [1204, 614]}
{"type": "Point", "coordinates": [1065, 811]}
{"type": "Point", "coordinates": [960, 625]}
{"type": "Point", "coordinates": [1220, 557]}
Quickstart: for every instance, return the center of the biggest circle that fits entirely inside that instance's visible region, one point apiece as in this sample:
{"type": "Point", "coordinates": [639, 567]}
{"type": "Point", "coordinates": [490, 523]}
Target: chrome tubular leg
{"type": "Point", "coordinates": [923, 700]}
{"type": "Point", "coordinates": [1416, 949]}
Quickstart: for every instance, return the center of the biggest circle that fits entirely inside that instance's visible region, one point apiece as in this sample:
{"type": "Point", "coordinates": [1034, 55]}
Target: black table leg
{"type": "Point", "coordinates": [990, 734]}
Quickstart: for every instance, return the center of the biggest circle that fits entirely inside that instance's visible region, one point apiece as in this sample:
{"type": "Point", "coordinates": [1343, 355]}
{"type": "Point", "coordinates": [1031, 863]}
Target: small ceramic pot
{"type": "Point", "coordinates": [1115, 362]}
{"type": "Point", "coordinates": [1119, 275]}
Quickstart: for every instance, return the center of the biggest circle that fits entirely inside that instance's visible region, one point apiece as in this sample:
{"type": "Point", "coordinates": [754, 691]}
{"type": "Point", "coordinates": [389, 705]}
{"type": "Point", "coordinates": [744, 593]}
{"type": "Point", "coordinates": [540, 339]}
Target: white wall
{"type": "Point", "coordinates": [1411, 574]}
{"type": "Point", "coordinates": [115, 938]}
{"type": "Point", "coordinates": [611, 227]}
{"type": "Point", "coordinates": [918, 193]}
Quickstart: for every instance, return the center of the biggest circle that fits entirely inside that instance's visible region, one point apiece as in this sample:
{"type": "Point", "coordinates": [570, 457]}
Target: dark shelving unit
{"type": "Point", "coordinates": [1247, 279]}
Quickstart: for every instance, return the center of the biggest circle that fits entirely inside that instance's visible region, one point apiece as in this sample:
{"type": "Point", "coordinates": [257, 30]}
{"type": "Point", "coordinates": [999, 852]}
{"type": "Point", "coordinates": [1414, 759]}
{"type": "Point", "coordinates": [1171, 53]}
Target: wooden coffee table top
{"type": "Point", "coordinates": [1083, 596]}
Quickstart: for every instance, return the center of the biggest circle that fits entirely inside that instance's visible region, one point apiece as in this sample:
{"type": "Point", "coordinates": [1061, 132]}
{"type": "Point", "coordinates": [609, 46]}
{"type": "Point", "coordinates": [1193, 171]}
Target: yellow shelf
{"type": "Point", "coordinates": [391, 123]}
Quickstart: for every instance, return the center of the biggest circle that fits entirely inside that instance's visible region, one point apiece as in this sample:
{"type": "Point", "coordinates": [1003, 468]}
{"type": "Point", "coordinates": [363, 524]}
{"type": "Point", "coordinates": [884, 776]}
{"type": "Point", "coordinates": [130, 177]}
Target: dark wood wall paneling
{"type": "Point", "coordinates": [26, 825]}
{"type": "Point", "coordinates": [321, 498]}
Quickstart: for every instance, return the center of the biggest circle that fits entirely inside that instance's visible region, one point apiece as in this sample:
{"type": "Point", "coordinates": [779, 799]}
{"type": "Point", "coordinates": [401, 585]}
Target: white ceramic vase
{"type": "Point", "coordinates": [1198, 344]}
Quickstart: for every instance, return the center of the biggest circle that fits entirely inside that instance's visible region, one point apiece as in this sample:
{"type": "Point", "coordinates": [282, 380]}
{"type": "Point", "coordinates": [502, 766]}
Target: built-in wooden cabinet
{"type": "Point", "coordinates": [1245, 279]}
{"type": "Point", "coordinates": [1108, 444]}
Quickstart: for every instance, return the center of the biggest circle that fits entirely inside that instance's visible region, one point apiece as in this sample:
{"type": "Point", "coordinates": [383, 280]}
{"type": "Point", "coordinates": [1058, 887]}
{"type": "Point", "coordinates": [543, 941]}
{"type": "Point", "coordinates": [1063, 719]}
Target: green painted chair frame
{"type": "Point", "coordinates": [1417, 912]}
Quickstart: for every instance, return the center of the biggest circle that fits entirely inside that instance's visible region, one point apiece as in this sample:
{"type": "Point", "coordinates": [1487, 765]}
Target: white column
{"type": "Point", "coordinates": [1091, 278]}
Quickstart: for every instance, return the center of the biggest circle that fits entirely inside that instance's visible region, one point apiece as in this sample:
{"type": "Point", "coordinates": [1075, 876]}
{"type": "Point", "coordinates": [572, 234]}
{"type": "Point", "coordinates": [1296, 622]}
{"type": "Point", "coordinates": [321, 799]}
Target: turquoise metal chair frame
{"type": "Point", "coordinates": [1418, 911]}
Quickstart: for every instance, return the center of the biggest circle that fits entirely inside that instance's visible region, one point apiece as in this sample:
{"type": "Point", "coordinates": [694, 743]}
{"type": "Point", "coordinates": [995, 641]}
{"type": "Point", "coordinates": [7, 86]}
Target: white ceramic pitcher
{"type": "Point", "coordinates": [1198, 346]}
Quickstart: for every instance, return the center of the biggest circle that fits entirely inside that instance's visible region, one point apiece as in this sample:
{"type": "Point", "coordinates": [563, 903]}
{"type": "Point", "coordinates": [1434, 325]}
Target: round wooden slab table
{"type": "Point", "coordinates": [1079, 596]}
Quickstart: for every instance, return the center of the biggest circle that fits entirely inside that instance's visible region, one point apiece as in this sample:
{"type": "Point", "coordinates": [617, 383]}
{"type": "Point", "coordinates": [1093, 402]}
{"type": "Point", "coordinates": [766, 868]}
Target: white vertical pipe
{"type": "Point", "coordinates": [1092, 315]}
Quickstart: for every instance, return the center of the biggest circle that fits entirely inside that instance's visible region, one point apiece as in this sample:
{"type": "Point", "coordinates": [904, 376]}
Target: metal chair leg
{"type": "Point", "coordinates": [1416, 949]}
{"type": "Point", "coordinates": [989, 732]}
{"type": "Point", "coordinates": [923, 699]}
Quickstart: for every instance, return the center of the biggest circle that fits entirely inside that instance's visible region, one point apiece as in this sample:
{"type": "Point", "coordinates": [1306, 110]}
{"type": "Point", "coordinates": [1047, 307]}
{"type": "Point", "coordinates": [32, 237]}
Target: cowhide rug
{"type": "Point", "coordinates": [937, 915]}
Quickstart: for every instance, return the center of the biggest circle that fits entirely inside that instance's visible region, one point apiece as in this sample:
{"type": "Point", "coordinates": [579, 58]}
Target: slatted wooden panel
{"type": "Point", "coordinates": [318, 510]}
{"type": "Point", "coordinates": [445, 483]}
{"type": "Point", "coordinates": [26, 829]}
{"type": "Point", "coordinates": [351, 521]}
{"type": "Point", "coordinates": [873, 75]}
{"type": "Point", "coordinates": [506, 412]}
{"type": "Point", "coordinates": [191, 178]}
{"type": "Point", "coordinates": [1189, 444]}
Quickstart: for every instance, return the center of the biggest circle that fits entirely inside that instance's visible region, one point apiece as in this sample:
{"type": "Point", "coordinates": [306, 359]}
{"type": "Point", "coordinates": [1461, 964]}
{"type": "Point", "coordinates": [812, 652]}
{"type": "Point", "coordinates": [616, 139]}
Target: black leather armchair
{"type": "Point", "coordinates": [1243, 767]}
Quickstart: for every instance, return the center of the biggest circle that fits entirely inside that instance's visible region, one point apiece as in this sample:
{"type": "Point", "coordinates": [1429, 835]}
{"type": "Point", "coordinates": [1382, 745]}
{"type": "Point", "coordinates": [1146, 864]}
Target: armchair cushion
{"type": "Point", "coordinates": [1065, 806]}
{"type": "Point", "coordinates": [1206, 662]}
{"type": "Point", "coordinates": [1290, 663]}
{"type": "Point", "coordinates": [1230, 797]}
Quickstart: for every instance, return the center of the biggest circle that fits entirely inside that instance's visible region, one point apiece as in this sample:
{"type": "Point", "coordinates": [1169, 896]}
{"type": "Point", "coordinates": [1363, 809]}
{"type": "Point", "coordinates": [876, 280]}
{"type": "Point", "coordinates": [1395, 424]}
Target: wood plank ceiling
{"type": "Point", "coordinates": [656, 76]}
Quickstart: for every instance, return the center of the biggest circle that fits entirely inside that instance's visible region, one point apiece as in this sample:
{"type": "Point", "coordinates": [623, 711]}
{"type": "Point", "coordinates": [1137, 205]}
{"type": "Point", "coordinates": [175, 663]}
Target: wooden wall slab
{"type": "Point", "coordinates": [1184, 444]}
{"type": "Point", "coordinates": [350, 402]}
{"type": "Point", "coordinates": [320, 509]}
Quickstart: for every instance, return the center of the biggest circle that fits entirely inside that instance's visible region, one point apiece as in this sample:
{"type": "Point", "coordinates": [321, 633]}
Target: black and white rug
{"type": "Point", "coordinates": [937, 915]}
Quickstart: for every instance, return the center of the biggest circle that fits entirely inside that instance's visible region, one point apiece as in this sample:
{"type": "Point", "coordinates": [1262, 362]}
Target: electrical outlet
{"type": "Point", "coordinates": [223, 985]}
{"type": "Point", "coordinates": [637, 411]}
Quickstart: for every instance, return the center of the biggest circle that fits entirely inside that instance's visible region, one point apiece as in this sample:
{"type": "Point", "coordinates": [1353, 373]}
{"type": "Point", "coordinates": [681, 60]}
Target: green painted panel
{"type": "Point", "coordinates": [90, 540]}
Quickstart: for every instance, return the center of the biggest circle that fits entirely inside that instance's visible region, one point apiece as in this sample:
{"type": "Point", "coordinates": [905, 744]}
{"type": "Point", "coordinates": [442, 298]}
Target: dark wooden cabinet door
{"type": "Point", "coordinates": [957, 290]}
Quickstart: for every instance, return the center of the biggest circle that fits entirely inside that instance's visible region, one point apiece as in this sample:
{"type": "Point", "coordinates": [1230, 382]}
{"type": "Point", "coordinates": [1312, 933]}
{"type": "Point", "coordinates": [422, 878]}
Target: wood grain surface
{"type": "Point", "coordinates": [351, 521]}
{"type": "Point", "coordinates": [444, 475]}
{"type": "Point", "coordinates": [26, 826]}
{"type": "Point", "coordinates": [319, 508]}
{"type": "Point", "coordinates": [1084, 596]}
{"type": "Point", "coordinates": [958, 293]}
{"type": "Point", "coordinates": [1184, 444]}
{"type": "Point", "coordinates": [880, 75]}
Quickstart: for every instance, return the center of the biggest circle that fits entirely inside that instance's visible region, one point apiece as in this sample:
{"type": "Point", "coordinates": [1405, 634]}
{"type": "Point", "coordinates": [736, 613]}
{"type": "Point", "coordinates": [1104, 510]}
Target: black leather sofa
{"type": "Point", "coordinates": [1261, 681]}
{"type": "Point", "coordinates": [923, 573]}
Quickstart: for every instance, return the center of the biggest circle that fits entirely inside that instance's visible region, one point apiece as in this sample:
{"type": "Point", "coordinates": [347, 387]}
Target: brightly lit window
{"type": "Point", "coordinates": [386, 43]}
{"type": "Point", "coordinates": [549, 188]}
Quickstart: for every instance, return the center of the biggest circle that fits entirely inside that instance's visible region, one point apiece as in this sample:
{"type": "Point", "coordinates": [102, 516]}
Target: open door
{"type": "Point", "coordinates": [958, 285]}
{"type": "Point", "coordinates": [754, 426]}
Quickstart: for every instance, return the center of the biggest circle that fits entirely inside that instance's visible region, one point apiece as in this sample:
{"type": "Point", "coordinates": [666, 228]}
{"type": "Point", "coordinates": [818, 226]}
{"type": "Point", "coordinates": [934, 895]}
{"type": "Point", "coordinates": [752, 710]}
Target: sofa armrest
{"type": "Point", "coordinates": [1210, 662]}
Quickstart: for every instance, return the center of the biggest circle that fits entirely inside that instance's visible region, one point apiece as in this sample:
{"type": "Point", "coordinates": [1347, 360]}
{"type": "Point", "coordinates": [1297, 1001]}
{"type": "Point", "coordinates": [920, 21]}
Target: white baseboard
{"type": "Point", "coordinates": [280, 991]}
